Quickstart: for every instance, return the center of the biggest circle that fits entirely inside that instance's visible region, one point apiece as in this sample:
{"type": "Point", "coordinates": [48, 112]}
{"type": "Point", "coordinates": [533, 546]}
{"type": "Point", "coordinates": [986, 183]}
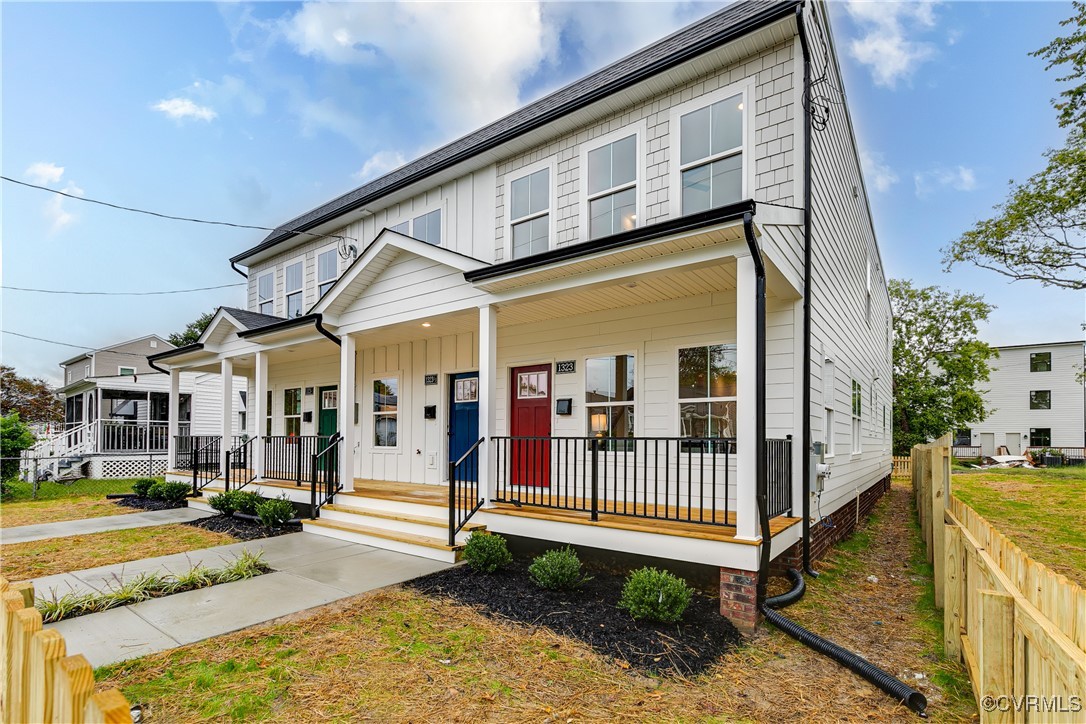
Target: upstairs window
{"type": "Point", "coordinates": [427, 227]}
{"type": "Point", "coordinates": [711, 155]}
{"type": "Point", "coordinates": [293, 288]}
{"type": "Point", "coordinates": [707, 391]}
{"type": "Point", "coordinates": [404, 227]}
{"type": "Point", "coordinates": [327, 271]}
{"type": "Point", "coordinates": [265, 293]}
{"type": "Point", "coordinates": [857, 416]}
{"type": "Point", "coordinates": [529, 213]}
{"type": "Point", "coordinates": [612, 188]}
{"type": "Point", "coordinates": [1040, 362]}
{"type": "Point", "coordinates": [1040, 399]}
{"type": "Point", "coordinates": [86, 371]}
{"type": "Point", "coordinates": [126, 371]}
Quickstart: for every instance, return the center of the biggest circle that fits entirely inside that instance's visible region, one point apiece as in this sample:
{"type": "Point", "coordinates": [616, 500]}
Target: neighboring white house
{"type": "Point", "coordinates": [560, 312]}
{"type": "Point", "coordinates": [1037, 399]}
{"type": "Point", "coordinates": [116, 413]}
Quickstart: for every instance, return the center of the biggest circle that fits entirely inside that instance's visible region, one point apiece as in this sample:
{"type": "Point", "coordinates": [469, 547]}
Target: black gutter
{"type": "Point", "coordinates": [156, 368]}
{"type": "Point", "coordinates": [239, 271]}
{"type": "Point", "coordinates": [325, 332]}
{"type": "Point", "coordinates": [807, 443]}
{"type": "Point", "coordinates": [772, 13]}
{"type": "Point", "coordinates": [315, 319]}
{"type": "Point", "coordinates": [761, 495]}
{"type": "Point", "coordinates": [194, 347]}
{"type": "Point", "coordinates": [693, 222]}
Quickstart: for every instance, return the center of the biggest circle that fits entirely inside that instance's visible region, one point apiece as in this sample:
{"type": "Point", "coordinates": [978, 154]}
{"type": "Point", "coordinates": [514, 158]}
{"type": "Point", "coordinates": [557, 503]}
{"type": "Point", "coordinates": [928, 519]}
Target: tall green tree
{"type": "Point", "coordinates": [15, 436]}
{"type": "Point", "coordinates": [192, 331]}
{"type": "Point", "coordinates": [32, 398]}
{"type": "Point", "coordinates": [938, 362]}
{"type": "Point", "coordinates": [1039, 232]}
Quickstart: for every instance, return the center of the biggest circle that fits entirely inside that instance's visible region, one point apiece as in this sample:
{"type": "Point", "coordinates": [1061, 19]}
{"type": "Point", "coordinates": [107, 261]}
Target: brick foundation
{"type": "Point", "coordinates": [739, 598]}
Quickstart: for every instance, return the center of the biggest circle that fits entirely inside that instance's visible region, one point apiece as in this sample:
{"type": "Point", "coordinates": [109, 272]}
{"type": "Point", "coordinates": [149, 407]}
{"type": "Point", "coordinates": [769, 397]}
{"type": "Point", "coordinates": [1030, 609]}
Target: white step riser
{"type": "Point", "coordinates": [433, 554]}
{"type": "Point", "coordinates": [439, 531]}
{"type": "Point", "coordinates": [440, 512]}
{"type": "Point", "coordinates": [294, 495]}
{"type": "Point", "coordinates": [201, 505]}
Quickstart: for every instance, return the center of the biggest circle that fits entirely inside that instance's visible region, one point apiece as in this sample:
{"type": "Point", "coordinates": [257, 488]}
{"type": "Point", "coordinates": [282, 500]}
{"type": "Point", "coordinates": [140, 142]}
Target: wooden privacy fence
{"type": "Point", "coordinates": [41, 682]}
{"type": "Point", "coordinates": [903, 465]}
{"type": "Point", "coordinates": [1019, 627]}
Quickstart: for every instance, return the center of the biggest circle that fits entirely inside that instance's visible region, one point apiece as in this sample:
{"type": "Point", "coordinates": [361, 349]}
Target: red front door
{"type": "Point", "coordinates": [531, 419]}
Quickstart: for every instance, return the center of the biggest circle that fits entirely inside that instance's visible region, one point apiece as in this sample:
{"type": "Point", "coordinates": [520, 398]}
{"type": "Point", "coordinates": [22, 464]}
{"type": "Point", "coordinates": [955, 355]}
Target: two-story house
{"type": "Point", "coordinates": [1037, 400]}
{"type": "Point", "coordinates": [618, 317]}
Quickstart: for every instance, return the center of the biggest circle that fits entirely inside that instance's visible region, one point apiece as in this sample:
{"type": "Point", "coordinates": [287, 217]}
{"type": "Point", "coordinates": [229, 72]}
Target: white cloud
{"type": "Point", "coordinates": [228, 91]}
{"type": "Point", "coordinates": [877, 171]}
{"type": "Point", "coordinates": [181, 108]}
{"type": "Point", "coordinates": [886, 45]}
{"type": "Point", "coordinates": [954, 178]}
{"type": "Point", "coordinates": [379, 164]}
{"type": "Point", "coordinates": [57, 212]}
{"type": "Point", "coordinates": [44, 172]}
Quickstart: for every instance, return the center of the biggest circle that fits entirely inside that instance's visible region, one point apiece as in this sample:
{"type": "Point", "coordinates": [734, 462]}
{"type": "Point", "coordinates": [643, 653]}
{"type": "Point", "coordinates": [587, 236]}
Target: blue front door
{"type": "Point", "coordinates": [463, 413]}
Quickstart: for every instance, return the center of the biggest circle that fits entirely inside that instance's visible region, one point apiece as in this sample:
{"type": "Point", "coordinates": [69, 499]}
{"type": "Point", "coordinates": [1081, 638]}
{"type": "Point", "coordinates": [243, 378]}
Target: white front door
{"type": "Point", "coordinates": [1014, 443]}
{"type": "Point", "coordinates": [987, 443]}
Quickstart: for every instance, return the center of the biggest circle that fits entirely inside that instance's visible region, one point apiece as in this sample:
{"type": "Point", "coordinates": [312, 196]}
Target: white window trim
{"type": "Point", "coordinates": [856, 432]}
{"type": "Point", "coordinates": [507, 200]}
{"type": "Point", "coordinates": [441, 206]}
{"type": "Point", "coordinates": [745, 87]}
{"type": "Point", "coordinates": [317, 268]}
{"type": "Point", "coordinates": [370, 428]}
{"type": "Point", "coordinates": [121, 370]}
{"type": "Point", "coordinates": [829, 407]}
{"type": "Point", "coordinates": [301, 407]}
{"type": "Point", "coordinates": [678, 430]}
{"type": "Point", "coordinates": [261, 275]}
{"type": "Point", "coordinates": [640, 131]}
{"type": "Point", "coordinates": [87, 374]}
{"type": "Point", "coordinates": [585, 404]}
{"type": "Point", "coordinates": [283, 273]}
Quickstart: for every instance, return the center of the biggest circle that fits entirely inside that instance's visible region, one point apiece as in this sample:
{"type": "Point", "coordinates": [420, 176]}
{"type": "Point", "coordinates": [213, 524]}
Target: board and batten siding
{"type": "Point", "coordinates": [843, 247]}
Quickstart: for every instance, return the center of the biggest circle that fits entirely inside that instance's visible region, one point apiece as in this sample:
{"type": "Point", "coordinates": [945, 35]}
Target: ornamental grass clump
{"type": "Point", "coordinates": [655, 595]}
{"type": "Point", "coordinates": [486, 552]}
{"type": "Point", "coordinates": [557, 569]}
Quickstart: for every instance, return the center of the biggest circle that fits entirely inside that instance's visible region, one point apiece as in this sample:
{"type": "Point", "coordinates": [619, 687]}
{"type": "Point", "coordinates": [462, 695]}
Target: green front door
{"type": "Point", "coordinates": [327, 411]}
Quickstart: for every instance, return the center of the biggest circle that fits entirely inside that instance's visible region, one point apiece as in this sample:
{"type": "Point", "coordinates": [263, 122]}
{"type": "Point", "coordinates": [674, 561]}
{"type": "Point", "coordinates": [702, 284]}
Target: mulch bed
{"type": "Point", "coordinates": [241, 529]}
{"type": "Point", "coordinates": [589, 614]}
{"type": "Point", "coordinates": [147, 503]}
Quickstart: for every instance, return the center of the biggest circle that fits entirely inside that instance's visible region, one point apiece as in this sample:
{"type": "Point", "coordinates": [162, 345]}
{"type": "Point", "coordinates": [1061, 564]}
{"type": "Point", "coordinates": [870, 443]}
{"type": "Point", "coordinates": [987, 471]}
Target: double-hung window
{"type": "Point", "coordinates": [427, 227]}
{"type": "Point", "coordinates": [327, 271]}
{"type": "Point", "coordinates": [265, 293]}
{"type": "Point", "coordinates": [1040, 362]}
{"type": "Point", "coordinates": [707, 391]}
{"type": "Point", "coordinates": [1040, 399]}
{"type": "Point", "coordinates": [829, 384]}
{"type": "Point", "coordinates": [292, 287]}
{"type": "Point", "coordinates": [612, 187]}
{"type": "Point", "coordinates": [386, 409]}
{"type": "Point", "coordinates": [857, 416]}
{"type": "Point", "coordinates": [529, 213]}
{"type": "Point", "coordinates": [609, 395]}
{"type": "Point", "coordinates": [292, 411]}
{"type": "Point", "coordinates": [711, 155]}
{"type": "Point", "coordinates": [268, 415]}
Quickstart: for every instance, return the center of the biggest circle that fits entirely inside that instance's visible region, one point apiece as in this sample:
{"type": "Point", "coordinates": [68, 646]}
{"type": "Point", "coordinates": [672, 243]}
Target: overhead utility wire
{"type": "Point", "coordinates": [338, 237]}
{"type": "Point", "coordinates": [69, 344]}
{"type": "Point", "coordinates": [121, 294]}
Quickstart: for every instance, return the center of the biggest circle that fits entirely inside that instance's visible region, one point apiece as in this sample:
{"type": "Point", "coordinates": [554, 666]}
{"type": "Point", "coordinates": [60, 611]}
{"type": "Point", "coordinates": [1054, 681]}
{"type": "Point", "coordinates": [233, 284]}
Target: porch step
{"type": "Point", "coordinates": [409, 543]}
{"type": "Point", "coordinates": [200, 504]}
{"type": "Point", "coordinates": [435, 525]}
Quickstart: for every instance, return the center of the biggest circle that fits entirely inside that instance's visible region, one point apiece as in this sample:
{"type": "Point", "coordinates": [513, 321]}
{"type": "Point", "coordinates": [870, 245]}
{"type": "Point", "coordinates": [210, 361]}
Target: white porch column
{"type": "Point", "coordinates": [746, 504]}
{"type": "Point", "coordinates": [259, 412]}
{"type": "Point", "coordinates": [227, 374]}
{"type": "Point", "coordinates": [488, 378]}
{"type": "Point", "coordinates": [349, 447]}
{"type": "Point", "coordinates": [173, 414]}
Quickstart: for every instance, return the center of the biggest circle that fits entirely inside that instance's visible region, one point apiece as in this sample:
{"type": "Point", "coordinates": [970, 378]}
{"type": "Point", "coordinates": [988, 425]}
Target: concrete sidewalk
{"type": "Point", "coordinates": [309, 571]}
{"type": "Point", "coordinates": [83, 526]}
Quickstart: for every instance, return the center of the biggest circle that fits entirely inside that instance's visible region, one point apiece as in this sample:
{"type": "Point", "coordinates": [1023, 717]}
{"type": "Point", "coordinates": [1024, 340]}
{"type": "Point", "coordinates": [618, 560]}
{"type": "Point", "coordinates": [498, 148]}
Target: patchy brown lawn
{"type": "Point", "coordinates": [33, 559]}
{"type": "Point", "coordinates": [32, 512]}
{"type": "Point", "coordinates": [397, 655]}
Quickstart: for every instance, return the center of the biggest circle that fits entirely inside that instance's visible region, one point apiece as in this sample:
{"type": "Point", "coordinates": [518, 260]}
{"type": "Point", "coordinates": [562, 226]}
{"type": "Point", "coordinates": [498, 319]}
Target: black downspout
{"type": "Point", "coordinates": [156, 368]}
{"type": "Point", "coordinates": [759, 405]}
{"type": "Point", "coordinates": [320, 328]}
{"type": "Point", "coordinates": [806, 449]}
{"type": "Point", "coordinates": [239, 271]}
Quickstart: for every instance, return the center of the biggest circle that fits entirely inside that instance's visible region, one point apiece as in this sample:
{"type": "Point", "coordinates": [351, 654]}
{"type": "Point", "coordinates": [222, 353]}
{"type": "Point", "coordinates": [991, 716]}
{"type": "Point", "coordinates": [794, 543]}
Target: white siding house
{"type": "Point", "coordinates": [582, 322]}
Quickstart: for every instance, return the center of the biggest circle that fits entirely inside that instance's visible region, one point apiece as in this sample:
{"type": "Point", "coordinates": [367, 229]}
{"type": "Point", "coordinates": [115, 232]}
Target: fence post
{"type": "Point", "coordinates": [46, 648]}
{"type": "Point", "coordinates": [995, 658]}
{"type": "Point", "coordinates": [952, 602]}
{"type": "Point", "coordinates": [72, 686]}
{"type": "Point", "coordinates": [940, 487]}
{"type": "Point", "coordinates": [595, 478]}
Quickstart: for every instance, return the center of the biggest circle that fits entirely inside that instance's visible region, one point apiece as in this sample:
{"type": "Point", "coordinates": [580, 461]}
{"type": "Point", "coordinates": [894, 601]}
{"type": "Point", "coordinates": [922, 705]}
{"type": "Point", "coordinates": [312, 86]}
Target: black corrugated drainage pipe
{"type": "Point", "coordinates": [900, 691]}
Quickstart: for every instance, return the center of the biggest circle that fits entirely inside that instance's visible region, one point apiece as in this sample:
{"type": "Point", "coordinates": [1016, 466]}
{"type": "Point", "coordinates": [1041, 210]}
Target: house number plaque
{"type": "Point", "coordinates": [565, 367]}
{"type": "Point", "coordinates": [431, 379]}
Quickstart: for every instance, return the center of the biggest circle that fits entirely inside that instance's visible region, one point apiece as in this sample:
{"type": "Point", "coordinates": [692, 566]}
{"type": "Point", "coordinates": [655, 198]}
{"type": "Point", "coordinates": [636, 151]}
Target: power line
{"type": "Point", "coordinates": [69, 344]}
{"type": "Point", "coordinates": [337, 237]}
{"type": "Point", "coordinates": [122, 294]}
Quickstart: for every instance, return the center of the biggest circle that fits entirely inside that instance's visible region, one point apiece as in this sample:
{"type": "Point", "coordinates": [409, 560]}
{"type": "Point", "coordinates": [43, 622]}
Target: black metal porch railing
{"type": "Point", "coordinates": [240, 468]}
{"type": "Point", "coordinates": [324, 475]}
{"type": "Point", "coordinates": [206, 464]}
{"type": "Point", "coordinates": [464, 498]}
{"type": "Point", "coordinates": [778, 472]}
{"type": "Point", "coordinates": [287, 457]}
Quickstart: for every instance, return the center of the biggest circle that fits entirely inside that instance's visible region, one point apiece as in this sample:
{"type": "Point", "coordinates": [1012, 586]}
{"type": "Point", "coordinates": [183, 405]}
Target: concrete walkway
{"type": "Point", "coordinates": [309, 571]}
{"type": "Point", "coordinates": [83, 526]}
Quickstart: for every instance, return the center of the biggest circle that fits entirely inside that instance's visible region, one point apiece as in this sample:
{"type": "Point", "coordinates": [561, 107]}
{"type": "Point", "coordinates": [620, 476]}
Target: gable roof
{"type": "Point", "coordinates": [251, 320]}
{"type": "Point", "coordinates": [721, 27]}
{"type": "Point", "coordinates": [110, 348]}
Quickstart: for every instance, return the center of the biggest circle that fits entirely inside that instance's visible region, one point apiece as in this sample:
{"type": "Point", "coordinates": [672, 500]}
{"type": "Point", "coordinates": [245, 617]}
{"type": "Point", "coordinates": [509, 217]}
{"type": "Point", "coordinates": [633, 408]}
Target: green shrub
{"type": "Point", "coordinates": [226, 502]}
{"type": "Point", "coordinates": [246, 501]}
{"type": "Point", "coordinates": [557, 569]}
{"type": "Point", "coordinates": [275, 512]}
{"type": "Point", "coordinates": [486, 552]}
{"type": "Point", "coordinates": [169, 492]}
{"type": "Point", "coordinates": [655, 595]}
{"type": "Point", "coordinates": [142, 486]}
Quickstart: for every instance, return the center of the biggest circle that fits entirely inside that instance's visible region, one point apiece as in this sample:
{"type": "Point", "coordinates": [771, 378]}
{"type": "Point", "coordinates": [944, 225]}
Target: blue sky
{"type": "Point", "coordinates": [252, 113]}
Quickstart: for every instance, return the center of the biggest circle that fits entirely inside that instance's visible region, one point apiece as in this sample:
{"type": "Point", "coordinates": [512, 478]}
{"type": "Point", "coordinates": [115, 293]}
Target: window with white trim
{"type": "Point", "coordinates": [86, 371]}
{"type": "Point", "coordinates": [126, 371]}
{"type": "Point", "coordinates": [867, 301]}
{"type": "Point", "coordinates": [386, 410]}
{"type": "Point", "coordinates": [829, 378]}
{"type": "Point", "coordinates": [612, 187]}
{"type": "Point", "coordinates": [69, 375]}
{"type": "Point", "coordinates": [707, 391]}
{"type": "Point", "coordinates": [404, 227]}
{"type": "Point", "coordinates": [292, 287]}
{"type": "Point", "coordinates": [265, 293]}
{"type": "Point", "coordinates": [529, 213]}
{"type": "Point", "coordinates": [609, 395]}
{"type": "Point", "coordinates": [427, 227]}
{"type": "Point", "coordinates": [857, 416]}
{"type": "Point", "coordinates": [711, 155]}
{"type": "Point", "coordinates": [268, 411]}
{"type": "Point", "coordinates": [292, 411]}
{"type": "Point", "coordinates": [327, 270]}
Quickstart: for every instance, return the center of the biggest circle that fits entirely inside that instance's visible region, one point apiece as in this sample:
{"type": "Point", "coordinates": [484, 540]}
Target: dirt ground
{"type": "Point", "coordinates": [398, 655]}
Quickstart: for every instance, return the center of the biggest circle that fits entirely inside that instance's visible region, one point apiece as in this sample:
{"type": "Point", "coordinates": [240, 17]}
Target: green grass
{"type": "Point", "coordinates": [47, 490]}
{"type": "Point", "coordinates": [1041, 510]}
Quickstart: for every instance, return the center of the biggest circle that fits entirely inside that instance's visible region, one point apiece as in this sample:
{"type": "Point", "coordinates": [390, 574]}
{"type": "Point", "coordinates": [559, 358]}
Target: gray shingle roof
{"type": "Point", "coordinates": [252, 320]}
{"type": "Point", "coordinates": [720, 27]}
